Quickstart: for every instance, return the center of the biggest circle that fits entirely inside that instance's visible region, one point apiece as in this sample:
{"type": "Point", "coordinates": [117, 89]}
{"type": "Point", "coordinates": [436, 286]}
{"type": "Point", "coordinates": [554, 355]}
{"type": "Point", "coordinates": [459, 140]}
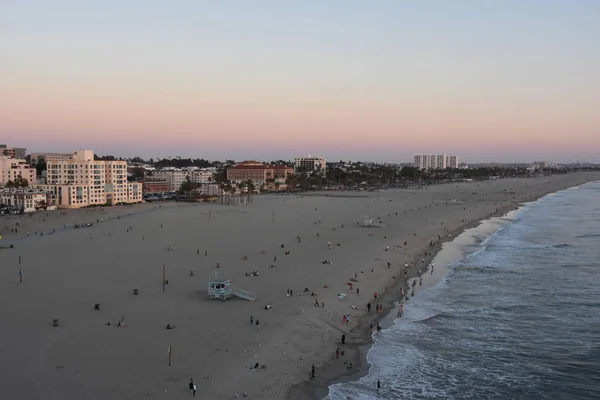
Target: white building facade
{"type": "Point", "coordinates": [203, 175]}
{"type": "Point", "coordinates": [29, 200]}
{"type": "Point", "coordinates": [435, 161]}
{"type": "Point", "coordinates": [309, 164]}
{"type": "Point", "coordinates": [175, 177]}
{"type": "Point", "coordinates": [81, 181]}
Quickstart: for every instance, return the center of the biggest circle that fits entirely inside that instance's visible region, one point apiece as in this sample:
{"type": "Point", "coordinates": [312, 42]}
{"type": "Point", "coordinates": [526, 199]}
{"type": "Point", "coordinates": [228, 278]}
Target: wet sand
{"type": "Point", "coordinates": [67, 272]}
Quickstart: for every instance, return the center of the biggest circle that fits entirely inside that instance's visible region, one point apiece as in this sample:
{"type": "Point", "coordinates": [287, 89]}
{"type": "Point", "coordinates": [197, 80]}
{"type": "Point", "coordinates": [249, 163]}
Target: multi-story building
{"type": "Point", "coordinates": [12, 152]}
{"type": "Point", "coordinates": [81, 181]}
{"type": "Point", "coordinates": [29, 200]}
{"type": "Point", "coordinates": [202, 175]}
{"type": "Point", "coordinates": [452, 162]}
{"type": "Point", "coordinates": [174, 177]}
{"type": "Point", "coordinates": [11, 168]}
{"type": "Point", "coordinates": [309, 164]}
{"type": "Point", "coordinates": [156, 186]}
{"type": "Point", "coordinates": [36, 158]}
{"type": "Point", "coordinates": [435, 161]}
{"type": "Point", "coordinates": [260, 174]}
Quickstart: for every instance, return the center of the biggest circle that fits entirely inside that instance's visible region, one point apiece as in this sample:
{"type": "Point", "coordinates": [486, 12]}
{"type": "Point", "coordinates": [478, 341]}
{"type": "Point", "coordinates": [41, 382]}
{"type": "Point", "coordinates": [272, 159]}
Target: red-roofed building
{"type": "Point", "coordinates": [271, 176]}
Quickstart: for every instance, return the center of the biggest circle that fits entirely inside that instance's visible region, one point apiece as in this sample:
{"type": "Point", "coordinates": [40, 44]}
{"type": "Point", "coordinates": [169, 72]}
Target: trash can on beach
{"type": "Point", "coordinates": [97, 306]}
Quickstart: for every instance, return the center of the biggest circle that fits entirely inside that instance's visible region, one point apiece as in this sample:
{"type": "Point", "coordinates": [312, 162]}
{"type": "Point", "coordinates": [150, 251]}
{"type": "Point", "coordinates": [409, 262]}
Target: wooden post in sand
{"type": "Point", "coordinates": [169, 355]}
{"type": "Point", "coordinates": [20, 276]}
{"type": "Point", "coordinates": [19, 260]}
{"type": "Point", "coordinates": [164, 281]}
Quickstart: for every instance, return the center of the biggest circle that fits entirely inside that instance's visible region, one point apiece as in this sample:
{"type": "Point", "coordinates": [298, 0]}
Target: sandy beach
{"type": "Point", "coordinates": [66, 271]}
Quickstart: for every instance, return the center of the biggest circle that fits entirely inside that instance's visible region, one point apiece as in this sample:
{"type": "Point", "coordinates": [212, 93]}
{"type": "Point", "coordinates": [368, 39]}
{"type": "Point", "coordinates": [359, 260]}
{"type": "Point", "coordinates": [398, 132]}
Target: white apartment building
{"type": "Point", "coordinates": [29, 200]}
{"type": "Point", "coordinates": [435, 161]}
{"type": "Point", "coordinates": [310, 164]}
{"type": "Point", "coordinates": [81, 181]}
{"type": "Point", "coordinates": [11, 168]}
{"type": "Point", "coordinates": [452, 162]}
{"type": "Point", "coordinates": [175, 177]}
{"type": "Point", "coordinates": [203, 175]}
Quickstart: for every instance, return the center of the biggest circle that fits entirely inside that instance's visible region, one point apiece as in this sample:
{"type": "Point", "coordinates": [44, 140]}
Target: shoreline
{"type": "Point", "coordinates": [318, 389]}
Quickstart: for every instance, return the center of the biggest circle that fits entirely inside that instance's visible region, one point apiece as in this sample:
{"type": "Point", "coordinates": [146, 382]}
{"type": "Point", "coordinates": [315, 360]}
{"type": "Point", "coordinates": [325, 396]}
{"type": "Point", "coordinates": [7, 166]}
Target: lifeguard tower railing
{"type": "Point", "coordinates": [223, 290]}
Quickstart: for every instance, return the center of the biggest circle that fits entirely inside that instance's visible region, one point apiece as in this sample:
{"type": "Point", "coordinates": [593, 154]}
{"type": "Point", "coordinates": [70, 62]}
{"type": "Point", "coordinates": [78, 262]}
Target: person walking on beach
{"type": "Point", "coordinates": [329, 245]}
{"type": "Point", "coordinates": [257, 324]}
{"type": "Point", "coordinates": [192, 387]}
{"type": "Point", "coordinates": [251, 320]}
{"type": "Point", "coordinates": [343, 338]}
{"type": "Point", "coordinates": [312, 371]}
{"type": "Point", "coordinates": [369, 307]}
{"type": "Point", "coordinates": [337, 353]}
{"type": "Point", "coordinates": [378, 384]}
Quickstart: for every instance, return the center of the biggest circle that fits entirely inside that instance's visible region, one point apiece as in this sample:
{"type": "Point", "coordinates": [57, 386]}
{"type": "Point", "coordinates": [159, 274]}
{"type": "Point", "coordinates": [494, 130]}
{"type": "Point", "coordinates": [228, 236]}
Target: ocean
{"type": "Point", "coordinates": [516, 317]}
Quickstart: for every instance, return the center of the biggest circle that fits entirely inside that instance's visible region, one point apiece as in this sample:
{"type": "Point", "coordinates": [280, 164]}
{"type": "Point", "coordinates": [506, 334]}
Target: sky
{"type": "Point", "coordinates": [501, 80]}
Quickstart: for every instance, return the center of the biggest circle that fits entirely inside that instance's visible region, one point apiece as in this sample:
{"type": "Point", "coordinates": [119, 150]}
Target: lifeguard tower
{"type": "Point", "coordinates": [221, 289]}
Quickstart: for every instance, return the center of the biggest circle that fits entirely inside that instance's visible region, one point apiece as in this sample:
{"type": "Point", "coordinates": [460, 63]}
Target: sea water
{"type": "Point", "coordinates": [518, 317]}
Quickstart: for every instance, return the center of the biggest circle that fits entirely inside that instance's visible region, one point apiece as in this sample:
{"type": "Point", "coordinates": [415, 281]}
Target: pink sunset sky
{"type": "Point", "coordinates": [268, 80]}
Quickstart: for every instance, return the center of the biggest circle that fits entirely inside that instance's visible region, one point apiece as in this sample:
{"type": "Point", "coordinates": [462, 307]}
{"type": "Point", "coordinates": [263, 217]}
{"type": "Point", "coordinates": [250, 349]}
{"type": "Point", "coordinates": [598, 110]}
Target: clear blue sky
{"type": "Point", "coordinates": [380, 80]}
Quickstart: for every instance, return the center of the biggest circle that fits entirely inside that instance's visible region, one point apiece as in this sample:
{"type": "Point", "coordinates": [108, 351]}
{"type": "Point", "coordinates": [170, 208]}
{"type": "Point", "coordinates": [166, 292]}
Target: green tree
{"type": "Point", "coordinates": [41, 205]}
{"type": "Point", "coordinates": [188, 189]}
{"type": "Point", "coordinates": [20, 182]}
{"type": "Point", "coordinates": [290, 182]}
{"type": "Point", "coordinates": [138, 173]}
{"type": "Point", "coordinates": [40, 167]}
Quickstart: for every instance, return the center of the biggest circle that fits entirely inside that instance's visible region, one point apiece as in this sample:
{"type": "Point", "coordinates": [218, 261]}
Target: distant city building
{"type": "Point", "coordinates": [11, 168]}
{"type": "Point", "coordinates": [452, 162]}
{"type": "Point", "coordinates": [80, 181]}
{"type": "Point", "coordinates": [12, 152]}
{"type": "Point", "coordinates": [29, 200]}
{"type": "Point", "coordinates": [309, 164]}
{"type": "Point", "coordinates": [435, 161]}
{"type": "Point", "coordinates": [271, 176]}
{"type": "Point", "coordinates": [209, 189]}
{"type": "Point", "coordinates": [175, 177]}
{"type": "Point", "coordinates": [36, 158]}
{"type": "Point", "coordinates": [156, 186]}
{"type": "Point", "coordinates": [203, 175]}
